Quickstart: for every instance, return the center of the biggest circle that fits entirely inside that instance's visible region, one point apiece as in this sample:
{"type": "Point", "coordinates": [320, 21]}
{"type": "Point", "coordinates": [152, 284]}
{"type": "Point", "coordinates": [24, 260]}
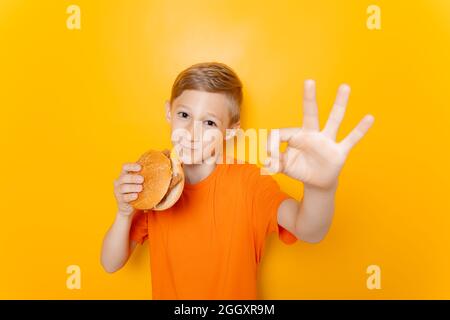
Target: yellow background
{"type": "Point", "coordinates": [76, 104]}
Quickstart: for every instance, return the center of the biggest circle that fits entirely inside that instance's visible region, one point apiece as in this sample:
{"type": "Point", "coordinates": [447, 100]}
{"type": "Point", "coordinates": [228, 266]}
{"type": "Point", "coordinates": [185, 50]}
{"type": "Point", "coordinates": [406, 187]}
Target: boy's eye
{"type": "Point", "coordinates": [210, 123]}
{"type": "Point", "coordinates": [183, 114]}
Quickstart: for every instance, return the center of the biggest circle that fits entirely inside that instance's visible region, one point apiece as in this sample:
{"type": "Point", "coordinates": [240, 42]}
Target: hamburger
{"type": "Point", "coordinates": [163, 180]}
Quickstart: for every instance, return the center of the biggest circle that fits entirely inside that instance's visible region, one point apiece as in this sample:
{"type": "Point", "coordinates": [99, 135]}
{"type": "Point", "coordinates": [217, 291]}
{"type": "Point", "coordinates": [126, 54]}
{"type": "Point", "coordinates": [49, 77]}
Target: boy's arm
{"type": "Point", "coordinates": [310, 218]}
{"type": "Point", "coordinates": [117, 247]}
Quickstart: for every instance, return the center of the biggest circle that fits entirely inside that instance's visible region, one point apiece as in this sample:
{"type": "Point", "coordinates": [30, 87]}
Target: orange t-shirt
{"type": "Point", "coordinates": [209, 244]}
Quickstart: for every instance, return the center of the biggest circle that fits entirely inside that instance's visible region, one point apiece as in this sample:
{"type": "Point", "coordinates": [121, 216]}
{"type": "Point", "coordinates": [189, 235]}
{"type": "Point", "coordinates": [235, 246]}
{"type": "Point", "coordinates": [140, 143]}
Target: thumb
{"type": "Point", "coordinates": [274, 164]}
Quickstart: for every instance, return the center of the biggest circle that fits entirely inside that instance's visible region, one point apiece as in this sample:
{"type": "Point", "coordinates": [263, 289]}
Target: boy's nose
{"type": "Point", "coordinates": [195, 131]}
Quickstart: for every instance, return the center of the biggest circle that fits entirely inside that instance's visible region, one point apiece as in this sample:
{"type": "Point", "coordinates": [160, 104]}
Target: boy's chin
{"type": "Point", "coordinates": [186, 160]}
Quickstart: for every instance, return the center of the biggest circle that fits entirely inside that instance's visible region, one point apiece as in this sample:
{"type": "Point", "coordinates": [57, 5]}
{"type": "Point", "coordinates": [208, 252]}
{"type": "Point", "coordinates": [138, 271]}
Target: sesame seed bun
{"type": "Point", "coordinates": [163, 181]}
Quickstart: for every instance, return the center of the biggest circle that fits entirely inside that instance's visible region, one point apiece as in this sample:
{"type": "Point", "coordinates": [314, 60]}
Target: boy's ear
{"type": "Point", "coordinates": [168, 115]}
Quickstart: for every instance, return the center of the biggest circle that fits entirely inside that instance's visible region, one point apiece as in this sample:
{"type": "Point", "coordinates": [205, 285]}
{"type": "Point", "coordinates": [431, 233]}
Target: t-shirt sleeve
{"type": "Point", "coordinates": [266, 196]}
{"type": "Point", "coordinates": [139, 227]}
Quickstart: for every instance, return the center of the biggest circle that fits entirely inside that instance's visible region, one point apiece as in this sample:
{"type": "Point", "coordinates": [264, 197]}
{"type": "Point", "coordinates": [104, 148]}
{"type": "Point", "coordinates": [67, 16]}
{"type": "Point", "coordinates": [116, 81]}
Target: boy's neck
{"type": "Point", "coordinates": [195, 173]}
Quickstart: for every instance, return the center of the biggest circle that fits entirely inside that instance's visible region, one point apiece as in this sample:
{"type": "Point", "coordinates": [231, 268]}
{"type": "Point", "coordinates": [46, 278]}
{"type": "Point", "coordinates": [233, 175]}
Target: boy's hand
{"type": "Point", "coordinates": [313, 156]}
{"type": "Point", "coordinates": [127, 186]}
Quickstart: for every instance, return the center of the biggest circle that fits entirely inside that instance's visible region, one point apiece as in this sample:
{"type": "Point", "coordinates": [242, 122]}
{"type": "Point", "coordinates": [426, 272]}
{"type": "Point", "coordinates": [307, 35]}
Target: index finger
{"type": "Point", "coordinates": [279, 135]}
{"type": "Point", "coordinates": [131, 166]}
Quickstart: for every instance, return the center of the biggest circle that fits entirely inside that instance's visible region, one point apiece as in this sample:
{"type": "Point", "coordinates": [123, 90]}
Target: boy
{"type": "Point", "coordinates": [209, 244]}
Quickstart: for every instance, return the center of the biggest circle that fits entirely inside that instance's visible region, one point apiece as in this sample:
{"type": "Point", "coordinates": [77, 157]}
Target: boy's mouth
{"type": "Point", "coordinates": [195, 145]}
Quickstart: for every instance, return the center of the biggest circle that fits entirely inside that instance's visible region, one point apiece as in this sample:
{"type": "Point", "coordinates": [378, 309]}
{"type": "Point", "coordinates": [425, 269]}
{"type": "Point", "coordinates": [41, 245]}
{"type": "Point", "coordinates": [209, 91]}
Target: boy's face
{"type": "Point", "coordinates": [199, 120]}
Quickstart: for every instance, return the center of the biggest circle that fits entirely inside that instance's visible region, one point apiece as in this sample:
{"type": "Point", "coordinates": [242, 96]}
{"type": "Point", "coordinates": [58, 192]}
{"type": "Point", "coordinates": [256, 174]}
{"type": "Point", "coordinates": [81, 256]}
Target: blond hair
{"type": "Point", "coordinates": [211, 77]}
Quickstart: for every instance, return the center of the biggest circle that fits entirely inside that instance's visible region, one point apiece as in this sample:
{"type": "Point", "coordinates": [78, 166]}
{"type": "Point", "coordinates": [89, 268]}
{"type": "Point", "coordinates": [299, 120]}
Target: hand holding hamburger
{"type": "Point", "coordinates": [154, 182]}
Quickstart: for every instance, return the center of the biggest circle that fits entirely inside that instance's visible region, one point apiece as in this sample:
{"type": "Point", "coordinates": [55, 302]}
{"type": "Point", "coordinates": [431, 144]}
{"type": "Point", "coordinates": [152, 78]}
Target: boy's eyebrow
{"type": "Point", "coordinates": [212, 114]}
{"type": "Point", "coordinates": [183, 106]}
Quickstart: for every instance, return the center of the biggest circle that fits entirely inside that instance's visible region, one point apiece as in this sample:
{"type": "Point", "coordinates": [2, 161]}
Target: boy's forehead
{"type": "Point", "coordinates": [211, 103]}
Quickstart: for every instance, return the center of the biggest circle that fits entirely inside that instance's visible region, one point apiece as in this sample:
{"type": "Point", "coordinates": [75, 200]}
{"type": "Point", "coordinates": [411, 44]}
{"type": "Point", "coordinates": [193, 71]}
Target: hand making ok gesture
{"type": "Point", "coordinates": [313, 156]}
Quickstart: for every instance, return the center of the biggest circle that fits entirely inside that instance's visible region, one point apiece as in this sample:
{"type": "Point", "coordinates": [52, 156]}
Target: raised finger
{"type": "Point", "coordinates": [357, 133]}
{"type": "Point", "coordinates": [337, 112]}
{"type": "Point", "coordinates": [310, 109]}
